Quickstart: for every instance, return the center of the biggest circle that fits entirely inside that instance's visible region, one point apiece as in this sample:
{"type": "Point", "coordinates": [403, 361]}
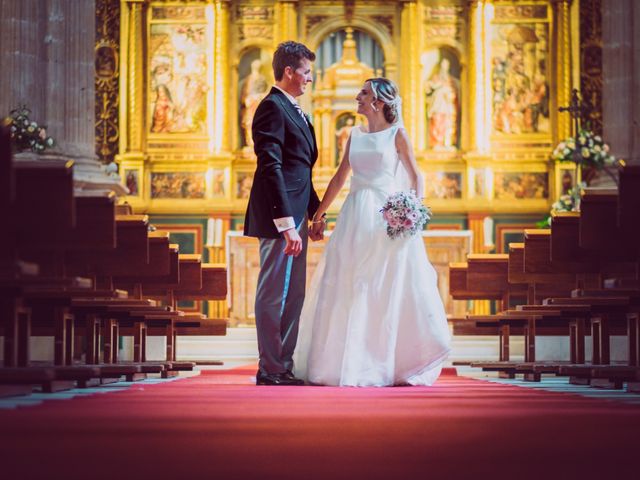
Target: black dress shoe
{"type": "Point", "coordinates": [274, 379]}
{"type": "Point", "coordinates": [289, 376]}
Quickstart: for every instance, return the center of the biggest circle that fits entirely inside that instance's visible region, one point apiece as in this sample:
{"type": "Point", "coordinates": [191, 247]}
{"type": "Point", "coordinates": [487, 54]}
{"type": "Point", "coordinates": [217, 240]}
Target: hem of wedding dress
{"type": "Point", "coordinates": [414, 379]}
{"type": "Point", "coordinates": [404, 380]}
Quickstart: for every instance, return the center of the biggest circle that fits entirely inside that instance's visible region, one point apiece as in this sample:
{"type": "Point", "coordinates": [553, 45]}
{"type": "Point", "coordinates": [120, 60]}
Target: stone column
{"type": "Point", "coordinates": [47, 55]}
{"type": "Point", "coordinates": [21, 46]}
{"type": "Point", "coordinates": [70, 97]}
{"type": "Point", "coordinates": [621, 82]}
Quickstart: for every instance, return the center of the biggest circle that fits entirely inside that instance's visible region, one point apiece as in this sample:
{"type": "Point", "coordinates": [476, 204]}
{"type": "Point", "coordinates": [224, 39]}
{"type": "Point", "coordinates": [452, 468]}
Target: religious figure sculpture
{"type": "Point", "coordinates": [253, 89]}
{"type": "Point", "coordinates": [442, 107]}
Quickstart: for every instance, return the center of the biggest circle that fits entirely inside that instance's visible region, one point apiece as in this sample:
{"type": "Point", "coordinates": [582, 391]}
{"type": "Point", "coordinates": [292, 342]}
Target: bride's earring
{"type": "Point", "coordinates": [373, 105]}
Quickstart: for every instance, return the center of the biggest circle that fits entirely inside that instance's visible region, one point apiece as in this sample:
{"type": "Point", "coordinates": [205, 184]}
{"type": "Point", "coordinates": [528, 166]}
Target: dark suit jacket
{"type": "Point", "coordinates": [286, 149]}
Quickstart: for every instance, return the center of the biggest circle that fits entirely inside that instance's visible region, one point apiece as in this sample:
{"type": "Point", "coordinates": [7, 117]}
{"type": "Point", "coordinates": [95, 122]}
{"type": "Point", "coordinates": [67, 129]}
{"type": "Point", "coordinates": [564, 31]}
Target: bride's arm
{"type": "Point", "coordinates": [336, 183]}
{"type": "Point", "coordinates": [408, 159]}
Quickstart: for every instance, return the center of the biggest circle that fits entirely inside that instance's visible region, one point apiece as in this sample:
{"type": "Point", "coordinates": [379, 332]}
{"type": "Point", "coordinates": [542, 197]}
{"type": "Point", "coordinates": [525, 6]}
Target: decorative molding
{"type": "Point", "coordinates": [386, 21]}
{"type": "Point", "coordinates": [515, 12]}
{"type": "Point", "coordinates": [591, 74]}
{"type": "Point", "coordinates": [451, 32]}
{"type": "Point", "coordinates": [107, 78]}
{"type": "Point", "coordinates": [313, 20]}
{"type": "Point", "coordinates": [252, 13]}
{"type": "Point", "coordinates": [444, 13]}
{"type": "Point", "coordinates": [252, 31]}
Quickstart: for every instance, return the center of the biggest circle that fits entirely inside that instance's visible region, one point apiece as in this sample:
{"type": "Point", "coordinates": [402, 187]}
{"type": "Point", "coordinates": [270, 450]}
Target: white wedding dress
{"type": "Point", "coordinates": [372, 315]}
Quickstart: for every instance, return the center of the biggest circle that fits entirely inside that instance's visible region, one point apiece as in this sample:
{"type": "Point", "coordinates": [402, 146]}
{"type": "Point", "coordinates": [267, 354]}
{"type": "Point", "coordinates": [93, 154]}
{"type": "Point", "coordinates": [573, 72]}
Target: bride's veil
{"type": "Point", "coordinates": [402, 180]}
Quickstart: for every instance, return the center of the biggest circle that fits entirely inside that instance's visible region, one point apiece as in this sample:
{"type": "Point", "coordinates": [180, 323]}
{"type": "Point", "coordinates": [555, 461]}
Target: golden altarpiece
{"type": "Point", "coordinates": [481, 83]}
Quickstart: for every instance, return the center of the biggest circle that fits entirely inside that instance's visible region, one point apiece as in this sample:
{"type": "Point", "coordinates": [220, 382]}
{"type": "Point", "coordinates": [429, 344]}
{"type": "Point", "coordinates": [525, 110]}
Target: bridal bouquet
{"type": "Point", "coordinates": [405, 214]}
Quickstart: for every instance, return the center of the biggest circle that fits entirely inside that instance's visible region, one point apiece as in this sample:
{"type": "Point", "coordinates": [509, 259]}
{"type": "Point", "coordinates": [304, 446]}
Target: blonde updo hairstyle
{"type": "Point", "coordinates": [386, 91]}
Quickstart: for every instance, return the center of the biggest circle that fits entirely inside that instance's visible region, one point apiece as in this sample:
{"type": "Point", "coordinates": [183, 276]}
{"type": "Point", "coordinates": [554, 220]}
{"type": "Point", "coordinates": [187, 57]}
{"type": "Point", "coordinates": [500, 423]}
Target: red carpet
{"type": "Point", "coordinates": [219, 426]}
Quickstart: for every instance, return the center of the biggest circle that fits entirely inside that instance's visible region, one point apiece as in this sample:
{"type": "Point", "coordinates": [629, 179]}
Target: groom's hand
{"type": "Point", "coordinates": [294, 242]}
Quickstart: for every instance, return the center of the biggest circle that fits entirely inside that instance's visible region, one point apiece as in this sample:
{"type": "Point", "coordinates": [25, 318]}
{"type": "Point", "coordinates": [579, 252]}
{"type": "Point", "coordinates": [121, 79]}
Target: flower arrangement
{"type": "Point", "coordinates": [586, 149]}
{"type": "Point", "coordinates": [27, 134]}
{"type": "Point", "coordinates": [568, 202]}
{"type": "Point", "coordinates": [405, 214]}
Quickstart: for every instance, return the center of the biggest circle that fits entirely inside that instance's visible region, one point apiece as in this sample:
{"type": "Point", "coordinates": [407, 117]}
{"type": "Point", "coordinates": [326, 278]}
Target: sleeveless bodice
{"type": "Point", "coordinates": [372, 315]}
{"type": "Point", "coordinates": [373, 158]}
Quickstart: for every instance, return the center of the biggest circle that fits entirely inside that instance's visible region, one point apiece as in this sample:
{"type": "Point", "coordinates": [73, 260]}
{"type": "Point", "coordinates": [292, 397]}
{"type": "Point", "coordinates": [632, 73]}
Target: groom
{"type": "Point", "coordinates": [281, 202]}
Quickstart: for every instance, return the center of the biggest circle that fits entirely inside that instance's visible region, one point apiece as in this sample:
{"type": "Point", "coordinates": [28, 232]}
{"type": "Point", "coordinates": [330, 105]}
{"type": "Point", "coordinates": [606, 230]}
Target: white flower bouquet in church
{"type": "Point", "coordinates": [404, 214]}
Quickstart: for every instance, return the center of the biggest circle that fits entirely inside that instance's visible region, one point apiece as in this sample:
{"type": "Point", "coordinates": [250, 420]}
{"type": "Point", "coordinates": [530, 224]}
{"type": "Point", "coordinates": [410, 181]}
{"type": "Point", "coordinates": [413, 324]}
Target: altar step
{"type": "Point", "coordinates": [238, 347]}
{"type": "Point", "coordinates": [241, 345]}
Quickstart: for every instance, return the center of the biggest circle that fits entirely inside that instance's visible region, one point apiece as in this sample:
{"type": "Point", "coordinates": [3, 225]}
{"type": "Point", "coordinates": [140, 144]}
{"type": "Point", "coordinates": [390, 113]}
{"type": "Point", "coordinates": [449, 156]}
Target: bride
{"type": "Point", "coordinates": [373, 315]}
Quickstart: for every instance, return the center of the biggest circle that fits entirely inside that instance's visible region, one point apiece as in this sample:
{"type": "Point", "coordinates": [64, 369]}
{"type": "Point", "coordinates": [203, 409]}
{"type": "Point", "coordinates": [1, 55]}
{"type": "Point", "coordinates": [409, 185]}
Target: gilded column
{"type": "Point", "coordinates": [222, 130]}
{"type": "Point", "coordinates": [563, 78]}
{"type": "Point", "coordinates": [286, 21]}
{"type": "Point", "coordinates": [135, 64]}
{"type": "Point", "coordinates": [123, 89]}
{"type": "Point", "coordinates": [475, 67]}
{"type": "Point", "coordinates": [410, 61]}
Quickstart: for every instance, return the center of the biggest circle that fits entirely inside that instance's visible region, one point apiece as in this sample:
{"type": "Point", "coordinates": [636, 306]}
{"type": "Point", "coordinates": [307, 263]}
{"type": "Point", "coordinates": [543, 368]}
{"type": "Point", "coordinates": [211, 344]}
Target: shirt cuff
{"type": "Point", "coordinates": [284, 223]}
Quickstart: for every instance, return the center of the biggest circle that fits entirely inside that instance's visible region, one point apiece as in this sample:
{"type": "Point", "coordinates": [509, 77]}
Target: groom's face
{"type": "Point", "coordinates": [299, 77]}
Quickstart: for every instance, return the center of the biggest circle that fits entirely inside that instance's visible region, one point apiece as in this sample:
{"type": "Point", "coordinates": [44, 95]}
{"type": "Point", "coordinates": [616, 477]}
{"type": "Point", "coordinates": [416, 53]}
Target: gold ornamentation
{"type": "Point", "coordinates": [591, 74]}
{"type": "Point", "coordinates": [514, 12]}
{"type": "Point", "coordinates": [444, 13]}
{"type": "Point", "coordinates": [386, 21]}
{"type": "Point", "coordinates": [177, 13]}
{"type": "Point", "coordinates": [107, 79]}
{"type": "Point", "coordinates": [313, 20]}
{"type": "Point", "coordinates": [254, 12]}
{"type": "Point", "coordinates": [443, 31]}
{"type": "Point", "coordinates": [252, 32]}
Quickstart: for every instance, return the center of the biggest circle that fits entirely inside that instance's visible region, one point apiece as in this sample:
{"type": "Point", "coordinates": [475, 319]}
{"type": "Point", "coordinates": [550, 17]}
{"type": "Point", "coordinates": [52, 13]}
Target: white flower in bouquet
{"type": "Point", "coordinates": [405, 214]}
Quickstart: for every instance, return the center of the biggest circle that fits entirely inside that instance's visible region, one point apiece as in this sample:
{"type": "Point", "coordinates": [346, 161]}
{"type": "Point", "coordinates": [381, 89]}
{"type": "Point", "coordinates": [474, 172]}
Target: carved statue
{"type": "Point", "coordinates": [442, 107]}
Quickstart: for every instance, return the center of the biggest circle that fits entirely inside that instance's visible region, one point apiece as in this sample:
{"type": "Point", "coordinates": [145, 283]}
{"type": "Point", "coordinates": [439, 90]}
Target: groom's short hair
{"type": "Point", "coordinates": [290, 54]}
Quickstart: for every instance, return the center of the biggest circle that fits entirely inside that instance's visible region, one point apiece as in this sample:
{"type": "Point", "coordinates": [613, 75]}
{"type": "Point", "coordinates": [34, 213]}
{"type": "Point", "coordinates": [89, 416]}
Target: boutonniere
{"type": "Point", "coordinates": [308, 117]}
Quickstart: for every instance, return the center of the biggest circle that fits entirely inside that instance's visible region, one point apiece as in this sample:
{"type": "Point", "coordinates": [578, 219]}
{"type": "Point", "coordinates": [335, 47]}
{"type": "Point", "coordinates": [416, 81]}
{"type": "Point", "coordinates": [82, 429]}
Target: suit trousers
{"type": "Point", "coordinates": [279, 299]}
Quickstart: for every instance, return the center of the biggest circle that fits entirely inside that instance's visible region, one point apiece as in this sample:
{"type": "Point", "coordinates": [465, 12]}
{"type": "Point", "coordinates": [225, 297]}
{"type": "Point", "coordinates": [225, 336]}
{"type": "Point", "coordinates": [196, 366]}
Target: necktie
{"type": "Point", "coordinates": [299, 110]}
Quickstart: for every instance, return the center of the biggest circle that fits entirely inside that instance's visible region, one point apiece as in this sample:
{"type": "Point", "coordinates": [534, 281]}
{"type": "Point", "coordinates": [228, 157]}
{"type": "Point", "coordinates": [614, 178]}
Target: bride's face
{"type": "Point", "coordinates": [367, 104]}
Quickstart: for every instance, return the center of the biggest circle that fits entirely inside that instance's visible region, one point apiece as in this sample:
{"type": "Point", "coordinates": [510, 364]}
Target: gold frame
{"type": "Point", "coordinates": [399, 28]}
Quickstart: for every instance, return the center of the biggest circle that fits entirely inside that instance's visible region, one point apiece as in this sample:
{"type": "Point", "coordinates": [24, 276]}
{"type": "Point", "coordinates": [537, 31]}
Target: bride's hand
{"type": "Point", "coordinates": [318, 225]}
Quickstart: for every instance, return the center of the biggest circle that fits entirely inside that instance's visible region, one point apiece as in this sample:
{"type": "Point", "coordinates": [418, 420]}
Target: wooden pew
{"type": "Point", "coordinates": [32, 228]}
{"type": "Point", "coordinates": [196, 281]}
{"type": "Point", "coordinates": [588, 245]}
{"type": "Point", "coordinates": [69, 224]}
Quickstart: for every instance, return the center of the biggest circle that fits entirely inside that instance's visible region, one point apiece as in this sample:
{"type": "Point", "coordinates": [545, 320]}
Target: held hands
{"type": "Point", "coordinates": [318, 226]}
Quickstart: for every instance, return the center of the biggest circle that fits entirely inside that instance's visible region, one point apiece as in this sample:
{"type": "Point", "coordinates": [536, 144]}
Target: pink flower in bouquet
{"type": "Point", "coordinates": [405, 214]}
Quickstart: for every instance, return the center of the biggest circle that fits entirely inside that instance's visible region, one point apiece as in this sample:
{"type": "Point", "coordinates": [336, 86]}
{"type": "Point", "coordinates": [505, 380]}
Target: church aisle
{"type": "Point", "coordinates": [219, 425]}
